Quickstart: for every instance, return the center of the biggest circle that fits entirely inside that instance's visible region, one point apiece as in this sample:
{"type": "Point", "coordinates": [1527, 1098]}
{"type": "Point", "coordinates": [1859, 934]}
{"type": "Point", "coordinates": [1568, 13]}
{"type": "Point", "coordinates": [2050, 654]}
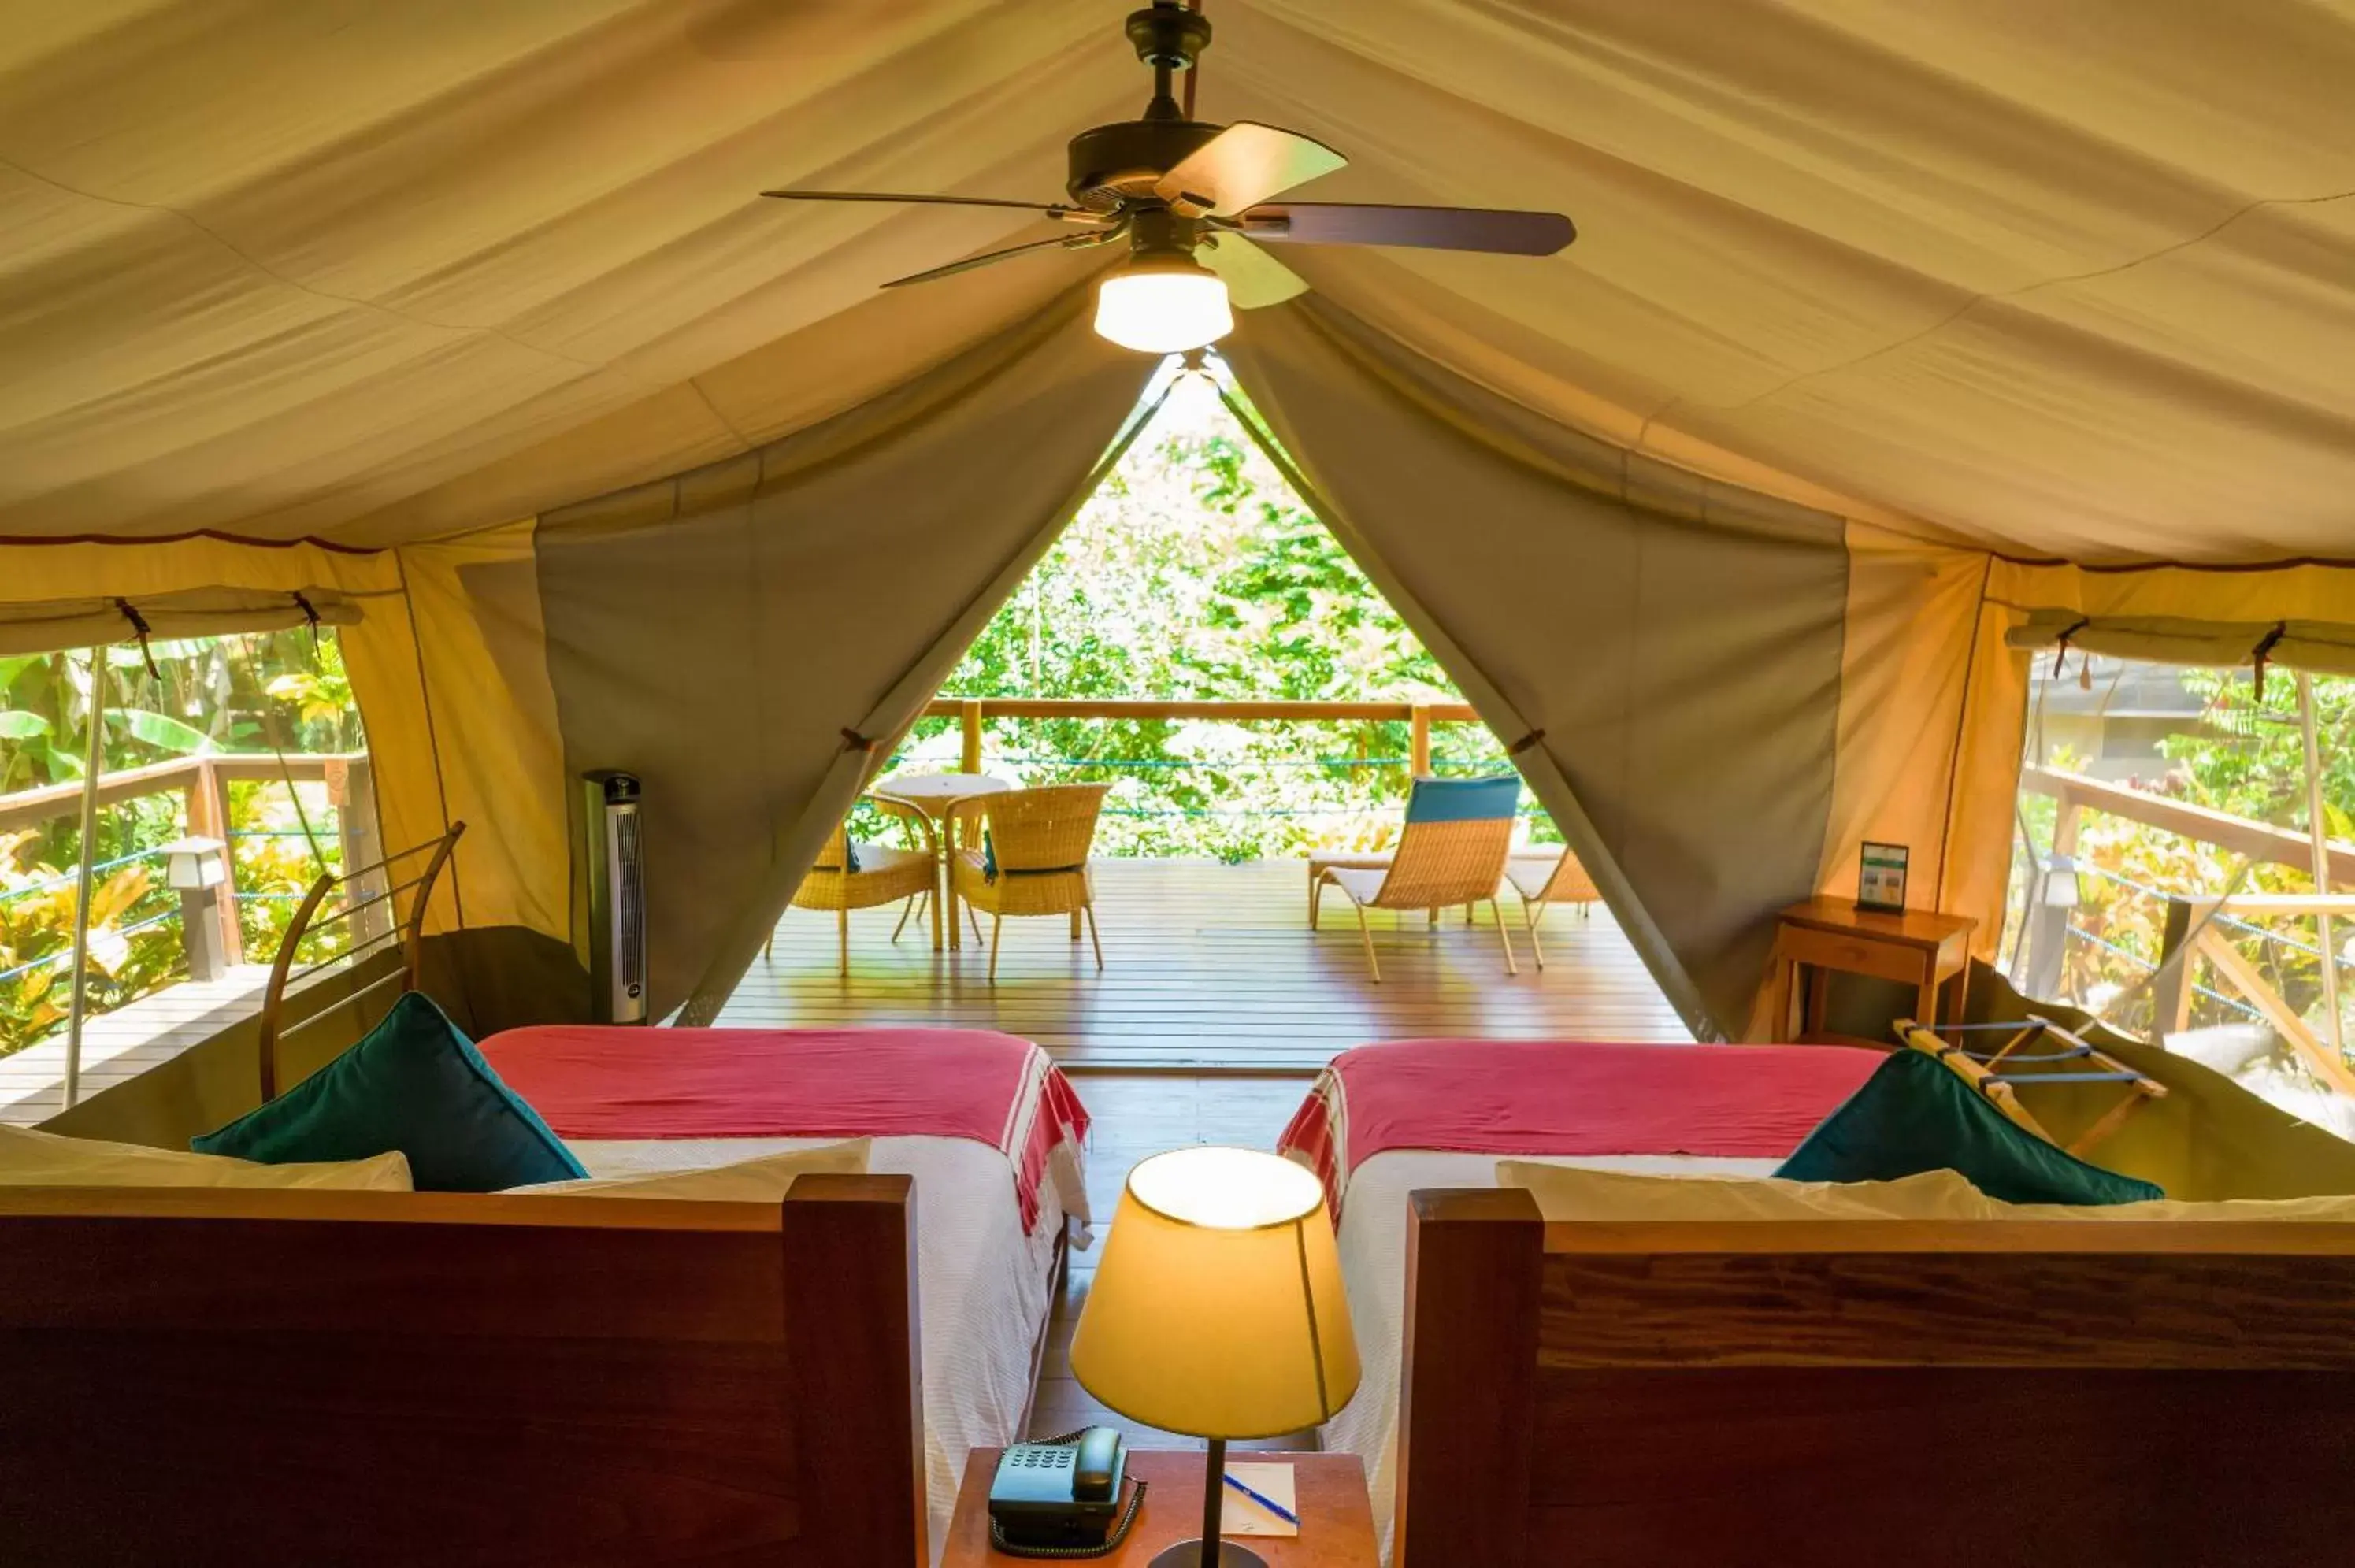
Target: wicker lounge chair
{"type": "Point", "coordinates": [1452, 851]}
{"type": "Point", "coordinates": [1034, 859]}
{"type": "Point", "coordinates": [1543, 879]}
{"type": "Point", "coordinates": [883, 875]}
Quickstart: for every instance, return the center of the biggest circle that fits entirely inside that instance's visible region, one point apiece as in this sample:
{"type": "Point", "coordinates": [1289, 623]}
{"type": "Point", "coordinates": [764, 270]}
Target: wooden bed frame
{"type": "Point", "coordinates": [207, 1375]}
{"type": "Point", "coordinates": [1955, 1392]}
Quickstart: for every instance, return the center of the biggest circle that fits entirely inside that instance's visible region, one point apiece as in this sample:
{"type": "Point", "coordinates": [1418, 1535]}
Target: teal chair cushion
{"type": "Point", "coordinates": [1464, 800]}
{"type": "Point", "coordinates": [1914, 1114]}
{"type": "Point", "coordinates": [416, 1084]}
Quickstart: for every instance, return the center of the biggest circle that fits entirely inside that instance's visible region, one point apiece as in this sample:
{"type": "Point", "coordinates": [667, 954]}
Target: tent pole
{"type": "Point", "coordinates": [85, 876]}
{"type": "Point", "coordinates": [2318, 829]}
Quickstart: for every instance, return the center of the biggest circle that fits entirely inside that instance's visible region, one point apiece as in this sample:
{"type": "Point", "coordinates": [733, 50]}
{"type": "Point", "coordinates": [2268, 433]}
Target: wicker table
{"type": "Point", "coordinates": [933, 793]}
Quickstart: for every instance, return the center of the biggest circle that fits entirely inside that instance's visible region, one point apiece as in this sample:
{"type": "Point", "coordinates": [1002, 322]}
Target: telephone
{"type": "Point", "coordinates": [1062, 1498]}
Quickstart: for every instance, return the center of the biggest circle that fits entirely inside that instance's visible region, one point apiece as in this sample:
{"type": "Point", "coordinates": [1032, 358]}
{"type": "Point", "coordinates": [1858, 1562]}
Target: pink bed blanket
{"type": "Point", "coordinates": [1566, 1097]}
{"type": "Point", "coordinates": [589, 1081]}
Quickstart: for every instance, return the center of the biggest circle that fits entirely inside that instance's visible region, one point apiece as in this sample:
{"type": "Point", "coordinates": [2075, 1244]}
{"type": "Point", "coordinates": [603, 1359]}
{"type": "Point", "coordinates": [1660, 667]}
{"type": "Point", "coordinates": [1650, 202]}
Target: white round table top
{"type": "Point", "coordinates": [932, 790]}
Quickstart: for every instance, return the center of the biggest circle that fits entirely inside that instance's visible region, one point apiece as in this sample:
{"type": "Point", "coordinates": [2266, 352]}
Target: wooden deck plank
{"type": "Point", "coordinates": [1213, 966]}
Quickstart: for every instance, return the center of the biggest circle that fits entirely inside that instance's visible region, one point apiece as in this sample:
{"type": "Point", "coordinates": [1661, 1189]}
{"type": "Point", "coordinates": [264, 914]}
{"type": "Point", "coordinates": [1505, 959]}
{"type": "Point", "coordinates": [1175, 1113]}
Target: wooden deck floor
{"type": "Point", "coordinates": [1208, 966]}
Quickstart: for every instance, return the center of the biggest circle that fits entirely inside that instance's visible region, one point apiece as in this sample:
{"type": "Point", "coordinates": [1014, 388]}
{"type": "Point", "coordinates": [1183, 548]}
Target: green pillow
{"type": "Point", "coordinates": [1914, 1114]}
{"type": "Point", "coordinates": [415, 1084]}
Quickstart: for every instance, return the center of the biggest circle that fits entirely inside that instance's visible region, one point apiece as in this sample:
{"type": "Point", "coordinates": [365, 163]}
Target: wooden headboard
{"type": "Point", "coordinates": [267, 1376]}
{"type": "Point", "coordinates": [1955, 1392]}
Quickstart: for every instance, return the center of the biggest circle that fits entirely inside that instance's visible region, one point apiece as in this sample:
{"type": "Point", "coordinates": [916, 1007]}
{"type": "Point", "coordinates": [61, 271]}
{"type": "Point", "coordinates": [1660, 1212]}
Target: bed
{"type": "Point", "coordinates": [1941, 1393]}
{"type": "Point", "coordinates": [988, 1128]}
{"type": "Point", "coordinates": [1384, 1120]}
{"type": "Point", "coordinates": [222, 1375]}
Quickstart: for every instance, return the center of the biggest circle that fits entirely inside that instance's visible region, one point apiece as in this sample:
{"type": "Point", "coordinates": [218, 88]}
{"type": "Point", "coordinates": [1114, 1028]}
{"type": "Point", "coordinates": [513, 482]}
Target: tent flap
{"type": "Point", "coordinates": [1667, 663]}
{"type": "Point", "coordinates": [734, 636]}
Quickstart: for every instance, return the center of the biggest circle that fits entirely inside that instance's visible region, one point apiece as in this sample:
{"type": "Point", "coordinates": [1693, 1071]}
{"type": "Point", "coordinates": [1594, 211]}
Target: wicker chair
{"type": "Point", "coordinates": [1542, 879]}
{"type": "Point", "coordinates": [1452, 851]}
{"type": "Point", "coordinates": [884, 876]}
{"type": "Point", "coordinates": [1038, 841]}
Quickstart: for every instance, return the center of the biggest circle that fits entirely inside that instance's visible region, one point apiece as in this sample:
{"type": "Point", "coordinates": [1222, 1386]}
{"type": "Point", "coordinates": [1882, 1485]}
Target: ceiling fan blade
{"type": "Point", "coordinates": [1244, 164]}
{"type": "Point", "coordinates": [1070, 213]}
{"type": "Point", "coordinates": [1496, 229]}
{"type": "Point", "coordinates": [1253, 278]}
{"type": "Point", "coordinates": [1060, 242]}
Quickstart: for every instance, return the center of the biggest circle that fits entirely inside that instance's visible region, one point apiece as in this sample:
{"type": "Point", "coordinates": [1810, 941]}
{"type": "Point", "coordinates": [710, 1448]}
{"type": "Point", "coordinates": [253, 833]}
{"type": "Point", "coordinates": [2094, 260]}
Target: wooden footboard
{"type": "Point", "coordinates": [1960, 1392]}
{"type": "Point", "coordinates": [210, 1376]}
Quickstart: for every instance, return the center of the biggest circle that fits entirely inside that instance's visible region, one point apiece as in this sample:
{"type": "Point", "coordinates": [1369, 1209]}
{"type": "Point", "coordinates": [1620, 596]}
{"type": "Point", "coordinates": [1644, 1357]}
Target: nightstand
{"type": "Point", "coordinates": [1930, 951]}
{"type": "Point", "coordinates": [1336, 1522]}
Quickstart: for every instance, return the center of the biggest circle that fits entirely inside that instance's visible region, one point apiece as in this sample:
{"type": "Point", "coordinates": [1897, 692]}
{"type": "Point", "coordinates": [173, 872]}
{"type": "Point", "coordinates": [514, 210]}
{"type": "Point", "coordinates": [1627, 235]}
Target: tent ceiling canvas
{"type": "Point", "coordinates": [2065, 279]}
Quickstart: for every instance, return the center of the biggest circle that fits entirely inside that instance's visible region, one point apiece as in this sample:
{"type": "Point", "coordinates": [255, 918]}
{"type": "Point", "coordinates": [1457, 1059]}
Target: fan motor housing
{"type": "Point", "coordinates": [1127, 158]}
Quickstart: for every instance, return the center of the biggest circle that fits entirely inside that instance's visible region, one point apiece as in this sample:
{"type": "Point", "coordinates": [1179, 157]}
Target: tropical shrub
{"type": "Point", "coordinates": [213, 695]}
{"type": "Point", "coordinates": [1196, 573]}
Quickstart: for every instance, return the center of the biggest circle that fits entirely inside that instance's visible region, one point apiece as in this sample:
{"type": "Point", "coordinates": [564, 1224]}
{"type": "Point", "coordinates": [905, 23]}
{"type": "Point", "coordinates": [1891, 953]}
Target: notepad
{"type": "Point", "coordinates": [1241, 1516]}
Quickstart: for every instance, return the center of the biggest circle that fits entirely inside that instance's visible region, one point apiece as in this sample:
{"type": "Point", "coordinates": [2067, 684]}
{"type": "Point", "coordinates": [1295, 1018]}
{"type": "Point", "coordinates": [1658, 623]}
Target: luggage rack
{"type": "Point", "coordinates": [410, 932]}
{"type": "Point", "coordinates": [1987, 1072]}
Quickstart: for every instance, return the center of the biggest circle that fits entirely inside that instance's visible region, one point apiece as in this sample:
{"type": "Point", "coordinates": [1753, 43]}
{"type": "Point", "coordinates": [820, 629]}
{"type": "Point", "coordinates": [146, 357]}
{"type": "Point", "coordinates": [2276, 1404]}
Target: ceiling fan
{"type": "Point", "coordinates": [1192, 201]}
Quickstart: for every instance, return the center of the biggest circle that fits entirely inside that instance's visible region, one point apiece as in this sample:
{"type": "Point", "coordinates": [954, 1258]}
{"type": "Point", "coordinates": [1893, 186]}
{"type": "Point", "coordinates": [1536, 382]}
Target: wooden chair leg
{"type": "Point", "coordinates": [768, 948]}
{"type": "Point", "coordinates": [907, 908]}
{"type": "Point", "coordinates": [972, 915]}
{"type": "Point", "coordinates": [1529, 915]}
{"type": "Point", "coordinates": [1075, 925]}
{"type": "Point", "coordinates": [1367, 936]}
{"type": "Point", "coordinates": [1316, 892]}
{"type": "Point", "coordinates": [1095, 937]}
{"type": "Point", "coordinates": [997, 923]}
{"type": "Point", "coordinates": [1505, 935]}
{"type": "Point", "coordinates": [842, 931]}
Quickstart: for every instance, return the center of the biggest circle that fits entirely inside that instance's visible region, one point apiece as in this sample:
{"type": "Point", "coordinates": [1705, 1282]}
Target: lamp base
{"type": "Point", "coordinates": [1188, 1555]}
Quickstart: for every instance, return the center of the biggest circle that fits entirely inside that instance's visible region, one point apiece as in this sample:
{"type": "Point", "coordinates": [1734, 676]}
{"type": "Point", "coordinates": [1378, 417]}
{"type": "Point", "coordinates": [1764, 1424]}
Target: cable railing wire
{"type": "Point", "coordinates": [2131, 957]}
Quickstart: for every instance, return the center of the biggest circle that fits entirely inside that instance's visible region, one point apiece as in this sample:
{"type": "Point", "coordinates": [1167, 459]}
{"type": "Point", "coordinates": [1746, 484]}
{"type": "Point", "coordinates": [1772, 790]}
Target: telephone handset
{"type": "Point", "coordinates": [1062, 1498]}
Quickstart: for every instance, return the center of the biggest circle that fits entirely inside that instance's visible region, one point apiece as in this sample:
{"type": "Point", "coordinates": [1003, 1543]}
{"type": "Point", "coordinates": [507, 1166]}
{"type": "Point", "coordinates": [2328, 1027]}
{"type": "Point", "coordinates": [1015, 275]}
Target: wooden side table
{"type": "Point", "coordinates": [1930, 951]}
{"type": "Point", "coordinates": [1336, 1522]}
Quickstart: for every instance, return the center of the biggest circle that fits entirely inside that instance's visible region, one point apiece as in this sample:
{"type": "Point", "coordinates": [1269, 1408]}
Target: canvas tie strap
{"type": "Point", "coordinates": [2263, 652]}
{"type": "Point", "coordinates": [139, 630]}
{"type": "Point", "coordinates": [852, 741]}
{"type": "Point", "coordinates": [2060, 646]}
{"type": "Point", "coordinates": [1525, 742]}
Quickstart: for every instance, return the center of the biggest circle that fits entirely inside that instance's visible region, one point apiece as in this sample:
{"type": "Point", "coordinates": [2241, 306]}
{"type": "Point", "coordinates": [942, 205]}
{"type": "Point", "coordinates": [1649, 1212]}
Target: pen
{"type": "Point", "coordinates": [1277, 1509]}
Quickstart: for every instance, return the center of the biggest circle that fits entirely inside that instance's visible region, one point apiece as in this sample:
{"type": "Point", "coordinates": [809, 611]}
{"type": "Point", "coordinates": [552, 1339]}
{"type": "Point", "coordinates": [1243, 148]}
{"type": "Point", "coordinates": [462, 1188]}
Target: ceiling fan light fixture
{"type": "Point", "coordinates": [1163, 305]}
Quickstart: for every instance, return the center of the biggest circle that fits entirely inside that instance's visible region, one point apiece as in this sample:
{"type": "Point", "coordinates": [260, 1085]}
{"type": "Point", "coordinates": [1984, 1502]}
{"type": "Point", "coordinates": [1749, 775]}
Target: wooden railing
{"type": "Point", "coordinates": [2190, 932]}
{"type": "Point", "coordinates": [2075, 794]}
{"type": "Point", "coordinates": [202, 784]}
{"type": "Point", "coordinates": [973, 712]}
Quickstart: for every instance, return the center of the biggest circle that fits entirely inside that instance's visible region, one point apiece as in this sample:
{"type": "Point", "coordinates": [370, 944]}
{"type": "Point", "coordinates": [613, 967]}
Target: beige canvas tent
{"type": "Point", "coordinates": [1897, 338]}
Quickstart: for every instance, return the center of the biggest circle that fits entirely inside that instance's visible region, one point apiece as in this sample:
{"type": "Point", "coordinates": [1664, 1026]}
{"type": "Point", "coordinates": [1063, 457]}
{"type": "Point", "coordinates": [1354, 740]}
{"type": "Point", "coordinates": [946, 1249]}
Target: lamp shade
{"type": "Point", "coordinates": [1217, 1310]}
{"type": "Point", "coordinates": [1162, 307]}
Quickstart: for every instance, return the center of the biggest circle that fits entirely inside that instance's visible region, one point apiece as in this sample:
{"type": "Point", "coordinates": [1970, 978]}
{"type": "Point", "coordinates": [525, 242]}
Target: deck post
{"type": "Point", "coordinates": [1419, 740]}
{"type": "Point", "coordinates": [208, 812]}
{"type": "Point", "coordinates": [969, 717]}
{"type": "Point", "coordinates": [2317, 827]}
{"type": "Point", "coordinates": [2170, 997]}
{"type": "Point", "coordinates": [351, 788]}
{"type": "Point", "coordinates": [2046, 939]}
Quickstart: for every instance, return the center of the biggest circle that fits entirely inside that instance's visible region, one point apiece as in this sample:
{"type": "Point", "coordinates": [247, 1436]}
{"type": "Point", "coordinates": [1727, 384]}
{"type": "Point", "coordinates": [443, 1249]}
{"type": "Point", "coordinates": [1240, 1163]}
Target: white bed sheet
{"type": "Point", "coordinates": [1373, 1266]}
{"type": "Point", "coordinates": [982, 1286]}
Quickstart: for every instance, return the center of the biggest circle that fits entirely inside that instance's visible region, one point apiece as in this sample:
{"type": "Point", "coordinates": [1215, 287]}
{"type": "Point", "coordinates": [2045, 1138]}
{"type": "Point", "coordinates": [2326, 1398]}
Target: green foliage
{"type": "Point", "coordinates": [1195, 574]}
{"type": "Point", "coordinates": [204, 696]}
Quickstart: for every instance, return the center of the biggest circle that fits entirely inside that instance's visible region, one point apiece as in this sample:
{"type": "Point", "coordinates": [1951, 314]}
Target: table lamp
{"type": "Point", "coordinates": [1218, 1312]}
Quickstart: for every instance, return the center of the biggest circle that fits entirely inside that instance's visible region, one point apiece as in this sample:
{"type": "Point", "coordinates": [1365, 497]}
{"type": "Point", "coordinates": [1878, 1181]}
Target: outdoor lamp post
{"type": "Point", "coordinates": [196, 868]}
